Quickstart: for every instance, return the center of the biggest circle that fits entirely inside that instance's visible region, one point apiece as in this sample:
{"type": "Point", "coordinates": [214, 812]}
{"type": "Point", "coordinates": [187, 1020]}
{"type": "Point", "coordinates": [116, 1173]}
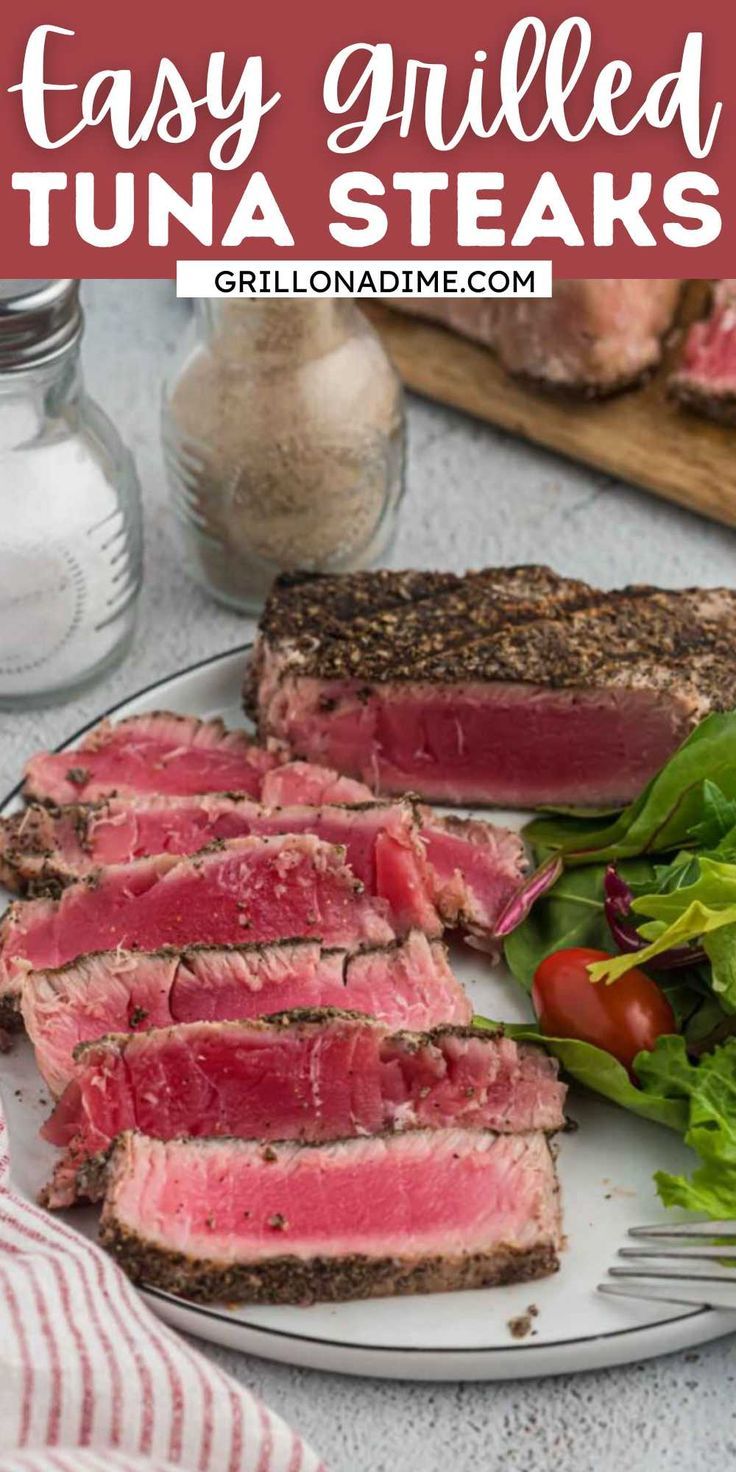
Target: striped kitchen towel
{"type": "Point", "coordinates": [84, 1364]}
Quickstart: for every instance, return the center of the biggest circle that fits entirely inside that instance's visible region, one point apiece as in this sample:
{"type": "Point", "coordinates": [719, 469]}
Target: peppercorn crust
{"type": "Point", "coordinates": [519, 625]}
{"type": "Point", "coordinates": [290, 1279]}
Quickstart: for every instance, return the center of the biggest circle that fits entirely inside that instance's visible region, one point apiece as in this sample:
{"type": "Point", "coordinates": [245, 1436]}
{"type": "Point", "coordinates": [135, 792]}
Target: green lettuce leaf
{"type": "Point", "coordinates": [677, 801]}
{"type": "Point", "coordinates": [717, 825]}
{"type": "Point", "coordinates": [694, 911]}
{"type": "Point", "coordinates": [707, 1088]}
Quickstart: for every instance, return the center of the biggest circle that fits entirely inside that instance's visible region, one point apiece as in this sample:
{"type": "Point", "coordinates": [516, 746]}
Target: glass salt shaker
{"type": "Point", "coordinates": [283, 434]}
{"type": "Point", "coordinates": [70, 551]}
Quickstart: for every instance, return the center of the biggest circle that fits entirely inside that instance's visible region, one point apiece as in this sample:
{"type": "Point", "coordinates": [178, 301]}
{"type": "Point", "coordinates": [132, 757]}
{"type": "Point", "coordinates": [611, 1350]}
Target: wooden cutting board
{"type": "Point", "coordinates": [637, 436]}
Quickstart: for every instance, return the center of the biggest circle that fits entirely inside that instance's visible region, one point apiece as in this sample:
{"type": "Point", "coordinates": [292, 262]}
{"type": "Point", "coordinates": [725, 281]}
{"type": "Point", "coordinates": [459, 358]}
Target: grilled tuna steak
{"type": "Point", "coordinates": [156, 753]}
{"type": "Point", "coordinates": [511, 686]}
{"type": "Point", "coordinates": [258, 889]}
{"type": "Point", "coordinates": [420, 1212]}
{"type": "Point", "coordinates": [432, 871]}
{"type": "Point", "coordinates": [592, 337]}
{"type": "Point", "coordinates": [705, 377]}
{"type": "Point", "coordinates": [309, 1076]}
{"type": "Point", "coordinates": [407, 984]}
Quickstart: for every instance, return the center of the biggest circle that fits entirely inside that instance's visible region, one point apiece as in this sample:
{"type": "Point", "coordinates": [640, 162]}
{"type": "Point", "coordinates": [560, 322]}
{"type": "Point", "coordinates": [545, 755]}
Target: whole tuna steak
{"type": "Point", "coordinates": [419, 1212]}
{"type": "Point", "coordinates": [159, 752]}
{"type": "Point", "coordinates": [407, 984]}
{"type": "Point", "coordinates": [309, 1076]}
{"type": "Point", "coordinates": [249, 888]}
{"type": "Point", "coordinates": [510, 686]}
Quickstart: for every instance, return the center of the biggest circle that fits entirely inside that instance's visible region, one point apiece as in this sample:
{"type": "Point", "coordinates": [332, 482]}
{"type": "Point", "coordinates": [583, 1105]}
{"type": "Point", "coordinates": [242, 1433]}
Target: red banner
{"type": "Point", "coordinates": [592, 138]}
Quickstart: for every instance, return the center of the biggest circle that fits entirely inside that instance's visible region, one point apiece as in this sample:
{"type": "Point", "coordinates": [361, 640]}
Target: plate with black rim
{"type": "Point", "coordinates": [606, 1167]}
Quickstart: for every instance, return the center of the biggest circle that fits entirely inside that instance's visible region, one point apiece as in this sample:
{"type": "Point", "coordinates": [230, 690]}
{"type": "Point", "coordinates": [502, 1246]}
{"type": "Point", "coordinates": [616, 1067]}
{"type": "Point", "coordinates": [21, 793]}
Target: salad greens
{"type": "Point", "coordinates": [569, 914]}
{"type": "Point", "coordinates": [675, 850]}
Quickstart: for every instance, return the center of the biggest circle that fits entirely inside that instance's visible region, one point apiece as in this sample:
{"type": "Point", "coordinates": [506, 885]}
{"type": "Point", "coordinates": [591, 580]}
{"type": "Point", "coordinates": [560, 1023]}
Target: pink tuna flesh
{"type": "Point", "coordinates": [510, 745]}
{"type": "Point", "coordinates": [255, 888]}
{"type": "Point", "coordinates": [311, 1077]}
{"type": "Point", "coordinates": [382, 843]}
{"type": "Point", "coordinates": [290, 1223]}
{"type": "Point", "coordinates": [303, 783]}
{"type": "Point", "coordinates": [159, 753]}
{"type": "Point", "coordinates": [405, 985]}
{"type": "Point", "coordinates": [476, 867]}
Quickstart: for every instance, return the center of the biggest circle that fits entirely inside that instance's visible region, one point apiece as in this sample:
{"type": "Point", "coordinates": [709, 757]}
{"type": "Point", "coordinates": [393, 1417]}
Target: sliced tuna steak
{"type": "Point", "coordinates": [408, 984]}
{"type": "Point", "coordinates": [255, 888]}
{"type": "Point", "coordinates": [159, 752]}
{"type": "Point", "coordinates": [309, 1076]}
{"type": "Point", "coordinates": [420, 1212]}
{"type": "Point", "coordinates": [431, 870]}
{"type": "Point", "coordinates": [476, 866]}
{"type": "Point", "coordinates": [705, 377]}
{"type": "Point", "coordinates": [511, 686]}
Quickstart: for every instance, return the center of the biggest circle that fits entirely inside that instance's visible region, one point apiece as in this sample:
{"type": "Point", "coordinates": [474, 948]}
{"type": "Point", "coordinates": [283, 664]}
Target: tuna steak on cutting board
{"type": "Point", "coordinates": [424, 865]}
{"type": "Point", "coordinates": [510, 686]}
{"type": "Point", "coordinates": [257, 889]}
{"type": "Point", "coordinates": [592, 337]}
{"type": "Point", "coordinates": [156, 753]}
{"type": "Point", "coordinates": [308, 1076]}
{"type": "Point", "coordinates": [407, 984]}
{"type": "Point", "coordinates": [420, 1212]}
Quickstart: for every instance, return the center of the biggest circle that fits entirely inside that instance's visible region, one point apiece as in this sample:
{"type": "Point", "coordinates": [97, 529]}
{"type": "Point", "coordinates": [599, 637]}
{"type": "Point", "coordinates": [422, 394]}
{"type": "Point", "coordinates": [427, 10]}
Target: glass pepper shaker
{"type": "Point", "coordinates": [70, 554]}
{"type": "Point", "coordinates": [283, 434]}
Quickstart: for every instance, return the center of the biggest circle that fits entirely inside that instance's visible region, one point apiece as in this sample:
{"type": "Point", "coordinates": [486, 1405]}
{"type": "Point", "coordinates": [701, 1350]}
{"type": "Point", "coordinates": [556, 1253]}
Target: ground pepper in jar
{"type": "Point", "coordinates": [284, 440]}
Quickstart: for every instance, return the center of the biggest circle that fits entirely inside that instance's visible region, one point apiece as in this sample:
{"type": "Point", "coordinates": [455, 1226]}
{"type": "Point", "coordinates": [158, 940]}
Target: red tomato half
{"type": "Point", "coordinates": [623, 1018]}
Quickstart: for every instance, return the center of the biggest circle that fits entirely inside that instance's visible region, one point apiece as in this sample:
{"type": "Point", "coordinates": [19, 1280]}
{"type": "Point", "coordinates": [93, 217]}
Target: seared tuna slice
{"type": "Point", "coordinates": [421, 1212]}
{"type": "Point", "coordinates": [431, 870]}
{"type": "Point", "coordinates": [407, 984]}
{"type": "Point", "coordinates": [511, 686]}
{"type": "Point", "coordinates": [591, 337]}
{"type": "Point", "coordinates": [382, 842]}
{"type": "Point", "coordinates": [249, 888]}
{"type": "Point", "coordinates": [705, 377]}
{"type": "Point", "coordinates": [159, 752]}
{"type": "Point", "coordinates": [309, 1076]}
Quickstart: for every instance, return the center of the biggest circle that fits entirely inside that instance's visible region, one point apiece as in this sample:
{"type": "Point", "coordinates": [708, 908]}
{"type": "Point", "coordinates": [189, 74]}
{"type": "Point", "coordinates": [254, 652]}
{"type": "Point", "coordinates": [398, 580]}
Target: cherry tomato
{"type": "Point", "coordinates": [624, 1017]}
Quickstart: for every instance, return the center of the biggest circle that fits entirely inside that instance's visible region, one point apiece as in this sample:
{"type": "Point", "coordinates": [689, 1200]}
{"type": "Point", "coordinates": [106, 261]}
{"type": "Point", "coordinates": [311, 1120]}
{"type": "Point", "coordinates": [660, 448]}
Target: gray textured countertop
{"type": "Point", "coordinates": [474, 497]}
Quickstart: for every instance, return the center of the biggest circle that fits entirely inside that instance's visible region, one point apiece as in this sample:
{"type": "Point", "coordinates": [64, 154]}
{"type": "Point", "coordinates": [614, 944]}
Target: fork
{"type": "Point", "coordinates": [682, 1263]}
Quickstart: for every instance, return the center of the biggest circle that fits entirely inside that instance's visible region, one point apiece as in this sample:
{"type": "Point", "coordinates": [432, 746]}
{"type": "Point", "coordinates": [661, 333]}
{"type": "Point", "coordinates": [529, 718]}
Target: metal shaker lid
{"type": "Point", "coordinates": [39, 320]}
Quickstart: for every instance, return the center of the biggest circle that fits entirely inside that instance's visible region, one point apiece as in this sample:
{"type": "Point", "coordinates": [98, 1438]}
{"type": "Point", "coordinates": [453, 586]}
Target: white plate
{"type": "Point", "coordinates": [606, 1172]}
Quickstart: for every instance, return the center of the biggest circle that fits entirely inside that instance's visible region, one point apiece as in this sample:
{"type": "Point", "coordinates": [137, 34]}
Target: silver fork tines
{"type": "Point", "coordinates": [686, 1229]}
{"type": "Point", "coordinates": [683, 1267]}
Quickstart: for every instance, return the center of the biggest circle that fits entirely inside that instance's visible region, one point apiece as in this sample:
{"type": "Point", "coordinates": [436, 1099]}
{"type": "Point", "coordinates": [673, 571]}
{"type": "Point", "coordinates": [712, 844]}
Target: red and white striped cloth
{"type": "Point", "coordinates": [84, 1364]}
